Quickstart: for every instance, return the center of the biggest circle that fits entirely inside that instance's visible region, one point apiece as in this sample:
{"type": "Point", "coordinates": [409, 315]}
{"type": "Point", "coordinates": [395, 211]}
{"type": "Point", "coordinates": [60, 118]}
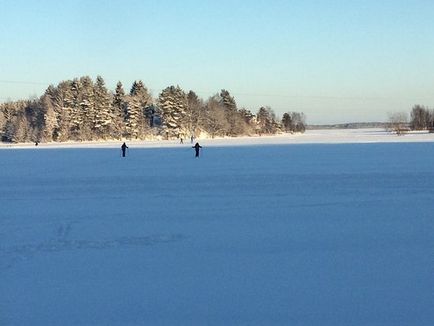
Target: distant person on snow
{"type": "Point", "coordinates": [124, 148]}
{"type": "Point", "coordinates": [197, 148]}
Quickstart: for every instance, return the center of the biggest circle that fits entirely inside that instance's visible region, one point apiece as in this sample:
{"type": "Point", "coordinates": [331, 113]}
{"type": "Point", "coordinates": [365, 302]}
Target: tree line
{"type": "Point", "coordinates": [421, 118]}
{"type": "Point", "coordinates": [82, 109]}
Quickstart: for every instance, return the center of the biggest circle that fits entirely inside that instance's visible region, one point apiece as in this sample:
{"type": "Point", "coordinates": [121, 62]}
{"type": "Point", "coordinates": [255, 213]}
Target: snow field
{"type": "Point", "coordinates": [313, 234]}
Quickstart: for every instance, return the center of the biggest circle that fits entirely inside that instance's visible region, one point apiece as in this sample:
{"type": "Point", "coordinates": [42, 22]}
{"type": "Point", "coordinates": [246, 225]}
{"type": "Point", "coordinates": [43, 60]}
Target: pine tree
{"type": "Point", "coordinates": [2, 119]}
{"type": "Point", "coordinates": [76, 114]}
{"type": "Point", "coordinates": [138, 103]}
{"type": "Point", "coordinates": [16, 128]}
{"type": "Point", "coordinates": [228, 101]}
{"type": "Point", "coordinates": [236, 124]}
{"type": "Point", "coordinates": [64, 110]}
{"type": "Point", "coordinates": [102, 109]}
{"type": "Point", "coordinates": [216, 123]}
{"type": "Point", "coordinates": [144, 101]}
{"type": "Point", "coordinates": [287, 123]}
{"type": "Point", "coordinates": [21, 129]}
{"type": "Point", "coordinates": [9, 111]}
{"type": "Point", "coordinates": [34, 117]}
{"type": "Point", "coordinates": [249, 120]}
{"type": "Point", "coordinates": [194, 114]}
{"type": "Point", "coordinates": [266, 120]}
{"type": "Point", "coordinates": [119, 106]}
{"type": "Point", "coordinates": [173, 105]}
{"type": "Point", "coordinates": [87, 109]}
{"type": "Point", "coordinates": [247, 116]}
{"type": "Point", "coordinates": [48, 103]}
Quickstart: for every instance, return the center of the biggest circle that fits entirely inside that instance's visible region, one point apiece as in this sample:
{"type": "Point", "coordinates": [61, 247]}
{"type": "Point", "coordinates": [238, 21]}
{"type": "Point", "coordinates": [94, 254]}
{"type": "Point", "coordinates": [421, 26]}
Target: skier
{"type": "Point", "coordinates": [196, 148]}
{"type": "Point", "coordinates": [124, 148]}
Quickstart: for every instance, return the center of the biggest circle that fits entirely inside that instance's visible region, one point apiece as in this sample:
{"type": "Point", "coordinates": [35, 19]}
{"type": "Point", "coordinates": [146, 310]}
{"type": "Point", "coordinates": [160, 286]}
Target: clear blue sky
{"type": "Point", "coordinates": [337, 61]}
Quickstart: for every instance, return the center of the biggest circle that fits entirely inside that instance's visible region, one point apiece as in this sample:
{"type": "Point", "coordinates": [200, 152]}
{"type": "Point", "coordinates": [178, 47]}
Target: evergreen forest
{"type": "Point", "coordinates": [83, 109]}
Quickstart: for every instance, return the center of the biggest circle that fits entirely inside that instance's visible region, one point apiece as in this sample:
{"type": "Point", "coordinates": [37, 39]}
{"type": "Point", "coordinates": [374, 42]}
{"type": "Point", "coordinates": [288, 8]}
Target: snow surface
{"type": "Point", "coordinates": [332, 136]}
{"type": "Point", "coordinates": [306, 234]}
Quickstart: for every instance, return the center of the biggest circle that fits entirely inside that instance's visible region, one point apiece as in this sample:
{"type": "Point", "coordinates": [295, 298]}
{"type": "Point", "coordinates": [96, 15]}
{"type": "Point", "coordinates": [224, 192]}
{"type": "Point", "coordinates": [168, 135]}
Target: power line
{"type": "Point", "coordinates": [291, 96]}
{"type": "Point", "coordinates": [324, 97]}
{"type": "Point", "coordinates": [22, 82]}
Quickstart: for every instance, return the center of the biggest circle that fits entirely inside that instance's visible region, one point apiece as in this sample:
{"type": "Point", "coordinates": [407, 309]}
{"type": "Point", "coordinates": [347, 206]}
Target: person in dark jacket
{"type": "Point", "coordinates": [124, 148]}
{"type": "Point", "coordinates": [196, 148]}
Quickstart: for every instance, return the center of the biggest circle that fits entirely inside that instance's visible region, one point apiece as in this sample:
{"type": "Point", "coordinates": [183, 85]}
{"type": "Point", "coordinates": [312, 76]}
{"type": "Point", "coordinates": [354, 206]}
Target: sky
{"type": "Point", "coordinates": [336, 61]}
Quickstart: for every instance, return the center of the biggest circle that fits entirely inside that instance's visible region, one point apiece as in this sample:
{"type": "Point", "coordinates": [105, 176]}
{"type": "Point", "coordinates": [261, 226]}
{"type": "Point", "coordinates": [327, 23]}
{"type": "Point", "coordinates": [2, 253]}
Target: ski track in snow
{"type": "Point", "coordinates": [11, 255]}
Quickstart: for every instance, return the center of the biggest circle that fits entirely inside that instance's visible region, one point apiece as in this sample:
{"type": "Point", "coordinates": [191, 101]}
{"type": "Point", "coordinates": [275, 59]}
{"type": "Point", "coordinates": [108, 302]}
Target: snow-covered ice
{"type": "Point", "coordinates": [303, 232]}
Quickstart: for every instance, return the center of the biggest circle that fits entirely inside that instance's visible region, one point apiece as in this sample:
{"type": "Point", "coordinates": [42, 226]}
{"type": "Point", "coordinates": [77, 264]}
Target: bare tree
{"type": "Point", "coordinates": [398, 122]}
{"type": "Point", "coordinates": [294, 122]}
{"type": "Point", "coordinates": [420, 118]}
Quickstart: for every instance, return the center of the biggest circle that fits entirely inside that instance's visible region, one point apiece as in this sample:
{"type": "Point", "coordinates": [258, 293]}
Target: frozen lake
{"type": "Point", "coordinates": [284, 234]}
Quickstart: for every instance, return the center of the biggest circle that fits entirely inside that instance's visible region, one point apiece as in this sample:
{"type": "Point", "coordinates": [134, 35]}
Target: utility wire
{"type": "Point", "coordinates": [312, 97]}
{"type": "Point", "coordinates": [22, 82]}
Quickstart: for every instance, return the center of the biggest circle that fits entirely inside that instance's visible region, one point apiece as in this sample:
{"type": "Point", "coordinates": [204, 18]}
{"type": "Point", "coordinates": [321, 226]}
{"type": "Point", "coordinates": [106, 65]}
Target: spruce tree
{"type": "Point", "coordinates": [119, 106]}
{"type": "Point", "coordinates": [287, 123]}
{"type": "Point", "coordinates": [64, 110]}
{"type": "Point", "coordinates": [9, 113]}
{"type": "Point", "coordinates": [236, 125]}
{"type": "Point", "coordinates": [48, 103]}
{"type": "Point", "coordinates": [248, 119]}
{"type": "Point", "coordinates": [173, 105]}
{"type": "Point", "coordinates": [102, 110]}
{"type": "Point", "coordinates": [87, 109]}
{"type": "Point", "coordinates": [194, 114]}
{"type": "Point", "coordinates": [266, 121]}
{"type": "Point", "coordinates": [2, 119]}
{"type": "Point", "coordinates": [138, 102]}
{"type": "Point", "coordinates": [75, 113]}
{"type": "Point", "coordinates": [35, 119]}
{"type": "Point", "coordinates": [216, 123]}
